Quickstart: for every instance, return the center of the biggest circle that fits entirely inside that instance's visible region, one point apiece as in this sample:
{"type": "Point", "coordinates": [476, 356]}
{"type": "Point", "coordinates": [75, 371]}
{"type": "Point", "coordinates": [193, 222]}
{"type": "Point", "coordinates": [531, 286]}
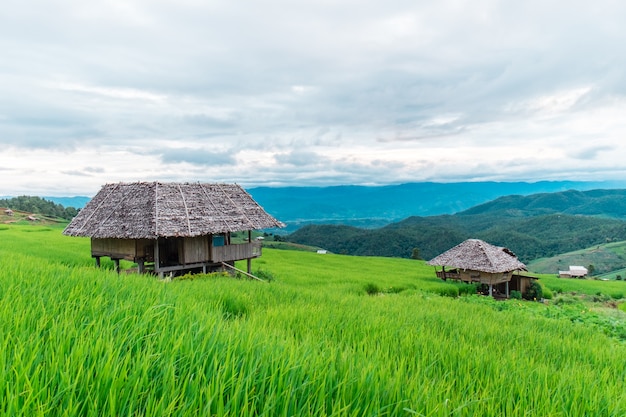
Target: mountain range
{"type": "Point", "coordinates": [375, 206]}
{"type": "Point", "coordinates": [533, 226]}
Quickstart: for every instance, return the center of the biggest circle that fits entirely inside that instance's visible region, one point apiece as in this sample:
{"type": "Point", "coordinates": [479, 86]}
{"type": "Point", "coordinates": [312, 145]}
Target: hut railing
{"type": "Point", "coordinates": [236, 252]}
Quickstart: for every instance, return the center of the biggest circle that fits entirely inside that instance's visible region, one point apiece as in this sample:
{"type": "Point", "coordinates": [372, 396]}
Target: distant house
{"type": "Point", "coordinates": [477, 261]}
{"type": "Point", "coordinates": [575, 271]}
{"type": "Point", "coordinates": [172, 227]}
{"type": "Point", "coordinates": [8, 212]}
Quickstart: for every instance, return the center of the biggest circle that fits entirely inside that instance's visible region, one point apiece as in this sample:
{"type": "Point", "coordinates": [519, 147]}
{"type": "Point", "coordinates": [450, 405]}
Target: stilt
{"type": "Point", "coordinates": [117, 265]}
{"type": "Point", "coordinates": [507, 289]}
{"type": "Point", "coordinates": [249, 265]}
{"type": "Point", "coordinates": [98, 261]}
{"type": "Point", "coordinates": [490, 290]}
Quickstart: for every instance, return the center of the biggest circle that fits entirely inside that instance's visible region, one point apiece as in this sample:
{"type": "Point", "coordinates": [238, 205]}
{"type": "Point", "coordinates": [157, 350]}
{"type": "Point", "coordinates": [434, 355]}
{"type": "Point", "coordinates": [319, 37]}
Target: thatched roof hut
{"type": "Point", "coordinates": [176, 226]}
{"type": "Point", "coordinates": [478, 255]}
{"type": "Point", "coordinates": [475, 260]}
{"type": "Point", "coordinates": [147, 210]}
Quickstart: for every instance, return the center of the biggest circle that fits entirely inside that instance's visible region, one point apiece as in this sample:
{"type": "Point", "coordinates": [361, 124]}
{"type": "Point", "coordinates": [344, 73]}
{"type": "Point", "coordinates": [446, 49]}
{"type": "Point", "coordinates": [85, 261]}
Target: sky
{"type": "Point", "coordinates": [309, 92]}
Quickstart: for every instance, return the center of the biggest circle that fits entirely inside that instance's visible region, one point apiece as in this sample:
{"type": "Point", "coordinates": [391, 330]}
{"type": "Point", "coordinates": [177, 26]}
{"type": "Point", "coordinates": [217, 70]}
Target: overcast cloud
{"type": "Point", "coordinates": [278, 92]}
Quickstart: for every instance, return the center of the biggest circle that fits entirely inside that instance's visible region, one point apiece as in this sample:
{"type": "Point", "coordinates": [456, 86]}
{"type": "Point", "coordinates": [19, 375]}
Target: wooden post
{"type": "Point", "coordinates": [507, 289]}
{"type": "Point", "coordinates": [157, 261]}
{"type": "Point", "coordinates": [249, 260]}
{"type": "Point", "coordinates": [117, 265]}
{"type": "Point", "coordinates": [140, 266]}
{"type": "Point", "coordinates": [490, 290]}
{"type": "Point", "coordinates": [98, 261]}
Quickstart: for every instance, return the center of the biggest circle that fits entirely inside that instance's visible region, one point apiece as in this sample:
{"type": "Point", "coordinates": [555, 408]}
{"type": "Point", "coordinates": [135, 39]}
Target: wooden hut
{"type": "Point", "coordinates": [477, 261]}
{"type": "Point", "coordinates": [172, 227]}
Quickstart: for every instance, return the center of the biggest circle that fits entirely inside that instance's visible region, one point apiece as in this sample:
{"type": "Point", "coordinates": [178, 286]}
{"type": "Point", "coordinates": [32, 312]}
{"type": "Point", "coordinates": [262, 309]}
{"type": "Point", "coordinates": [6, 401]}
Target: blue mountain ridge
{"type": "Point", "coordinates": [375, 206]}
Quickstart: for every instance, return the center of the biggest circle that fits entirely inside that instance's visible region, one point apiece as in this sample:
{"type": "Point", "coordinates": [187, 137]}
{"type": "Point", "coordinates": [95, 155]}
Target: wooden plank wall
{"type": "Point", "coordinates": [196, 249]}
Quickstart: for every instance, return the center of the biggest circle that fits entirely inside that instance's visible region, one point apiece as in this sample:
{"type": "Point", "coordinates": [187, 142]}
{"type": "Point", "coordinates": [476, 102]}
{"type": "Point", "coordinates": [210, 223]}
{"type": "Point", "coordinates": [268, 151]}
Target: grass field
{"type": "Point", "coordinates": [607, 260]}
{"type": "Point", "coordinates": [75, 340]}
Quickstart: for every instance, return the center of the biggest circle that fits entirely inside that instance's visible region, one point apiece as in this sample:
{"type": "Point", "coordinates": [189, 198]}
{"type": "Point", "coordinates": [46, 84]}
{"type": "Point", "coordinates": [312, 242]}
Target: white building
{"type": "Point", "coordinates": [575, 271]}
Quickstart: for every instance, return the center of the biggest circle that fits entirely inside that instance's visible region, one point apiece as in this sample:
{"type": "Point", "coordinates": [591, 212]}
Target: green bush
{"type": "Point", "coordinates": [617, 295]}
{"type": "Point", "coordinates": [264, 275]}
{"type": "Point", "coordinates": [516, 295]}
{"type": "Point", "coordinates": [534, 292]}
{"type": "Point", "coordinates": [372, 289]}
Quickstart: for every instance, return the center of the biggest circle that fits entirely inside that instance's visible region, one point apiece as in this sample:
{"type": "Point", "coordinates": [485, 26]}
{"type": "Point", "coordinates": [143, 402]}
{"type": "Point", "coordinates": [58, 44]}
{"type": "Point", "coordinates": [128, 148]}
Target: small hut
{"type": "Point", "coordinates": [477, 261]}
{"type": "Point", "coordinates": [172, 227]}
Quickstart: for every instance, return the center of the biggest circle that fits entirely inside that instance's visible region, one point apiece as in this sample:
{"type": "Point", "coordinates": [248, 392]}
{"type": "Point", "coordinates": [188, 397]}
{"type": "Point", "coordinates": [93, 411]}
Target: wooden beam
{"type": "Point", "coordinates": [243, 272]}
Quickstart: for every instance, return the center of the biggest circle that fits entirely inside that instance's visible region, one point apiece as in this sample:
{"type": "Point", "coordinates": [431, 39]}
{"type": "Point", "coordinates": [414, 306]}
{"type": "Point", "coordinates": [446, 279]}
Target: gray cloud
{"type": "Point", "coordinates": [590, 153]}
{"type": "Point", "coordinates": [296, 88]}
{"type": "Point", "coordinates": [194, 156]}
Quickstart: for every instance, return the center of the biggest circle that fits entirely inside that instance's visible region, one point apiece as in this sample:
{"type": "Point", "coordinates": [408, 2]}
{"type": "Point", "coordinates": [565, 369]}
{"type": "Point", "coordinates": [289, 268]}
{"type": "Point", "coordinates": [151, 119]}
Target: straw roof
{"type": "Point", "coordinates": [477, 255]}
{"type": "Point", "coordinates": [147, 210]}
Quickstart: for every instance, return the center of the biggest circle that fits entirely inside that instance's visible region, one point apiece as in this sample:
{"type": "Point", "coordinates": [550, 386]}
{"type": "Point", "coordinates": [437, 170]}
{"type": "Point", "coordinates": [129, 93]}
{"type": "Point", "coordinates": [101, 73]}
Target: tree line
{"type": "Point", "coordinates": [38, 205]}
{"type": "Point", "coordinates": [529, 237]}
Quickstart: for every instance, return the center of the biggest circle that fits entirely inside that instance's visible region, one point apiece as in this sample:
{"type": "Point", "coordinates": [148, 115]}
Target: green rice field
{"type": "Point", "coordinates": [330, 335]}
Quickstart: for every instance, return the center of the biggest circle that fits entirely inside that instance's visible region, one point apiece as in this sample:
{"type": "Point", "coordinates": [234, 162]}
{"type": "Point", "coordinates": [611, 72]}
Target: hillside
{"type": "Point", "coordinates": [39, 206]}
{"type": "Point", "coordinates": [329, 336]}
{"type": "Point", "coordinates": [600, 202]}
{"type": "Point", "coordinates": [9, 216]}
{"type": "Point", "coordinates": [605, 258]}
{"type": "Point", "coordinates": [534, 226]}
{"type": "Point", "coordinates": [376, 206]}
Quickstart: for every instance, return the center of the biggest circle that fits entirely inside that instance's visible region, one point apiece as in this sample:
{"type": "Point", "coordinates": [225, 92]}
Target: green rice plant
{"type": "Point", "coordinates": [448, 291]}
{"type": "Point", "coordinates": [467, 289]}
{"type": "Point", "coordinates": [547, 293]}
{"type": "Point", "coordinates": [77, 340]}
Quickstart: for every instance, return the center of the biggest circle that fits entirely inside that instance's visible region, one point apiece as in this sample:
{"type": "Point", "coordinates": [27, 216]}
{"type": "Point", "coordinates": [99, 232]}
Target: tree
{"type": "Point", "coordinates": [591, 269]}
{"type": "Point", "coordinates": [415, 254]}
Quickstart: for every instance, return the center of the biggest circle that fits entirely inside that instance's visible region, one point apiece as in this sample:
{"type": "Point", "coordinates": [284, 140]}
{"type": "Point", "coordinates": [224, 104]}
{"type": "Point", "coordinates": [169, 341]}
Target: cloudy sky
{"type": "Point", "coordinates": [309, 92]}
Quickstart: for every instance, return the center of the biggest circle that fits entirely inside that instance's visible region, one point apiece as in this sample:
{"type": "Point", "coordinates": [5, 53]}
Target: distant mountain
{"type": "Point", "coordinates": [603, 203]}
{"type": "Point", "coordinates": [376, 206]}
{"type": "Point", "coordinates": [532, 226]}
{"type": "Point", "coordinates": [76, 202]}
{"type": "Point", "coordinates": [368, 206]}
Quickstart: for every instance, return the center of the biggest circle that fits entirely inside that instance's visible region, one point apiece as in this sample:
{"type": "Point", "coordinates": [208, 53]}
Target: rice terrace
{"type": "Point", "coordinates": [324, 335]}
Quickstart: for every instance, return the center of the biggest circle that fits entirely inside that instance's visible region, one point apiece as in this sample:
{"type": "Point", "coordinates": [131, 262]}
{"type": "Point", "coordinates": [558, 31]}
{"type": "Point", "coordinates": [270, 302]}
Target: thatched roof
{"type": "Point", "coordinates": [477, 255]}
{"type": "Point", "coordinates": [147, 210]}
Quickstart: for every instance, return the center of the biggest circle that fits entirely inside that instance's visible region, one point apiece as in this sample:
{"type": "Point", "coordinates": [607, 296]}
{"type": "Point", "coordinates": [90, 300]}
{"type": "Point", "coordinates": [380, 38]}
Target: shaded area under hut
{"type": "Point", "coordinates": [476, 261]}
{"type": "Point", "coordinates": [172, 227]}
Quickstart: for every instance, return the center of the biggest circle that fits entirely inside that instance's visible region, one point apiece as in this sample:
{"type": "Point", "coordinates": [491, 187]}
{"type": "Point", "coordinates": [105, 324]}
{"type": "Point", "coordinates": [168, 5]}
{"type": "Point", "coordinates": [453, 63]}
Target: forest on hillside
{"type": "Point", "coordinates": [534, 226]}
{"type": "Point", "coordinates": [38, 205]}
